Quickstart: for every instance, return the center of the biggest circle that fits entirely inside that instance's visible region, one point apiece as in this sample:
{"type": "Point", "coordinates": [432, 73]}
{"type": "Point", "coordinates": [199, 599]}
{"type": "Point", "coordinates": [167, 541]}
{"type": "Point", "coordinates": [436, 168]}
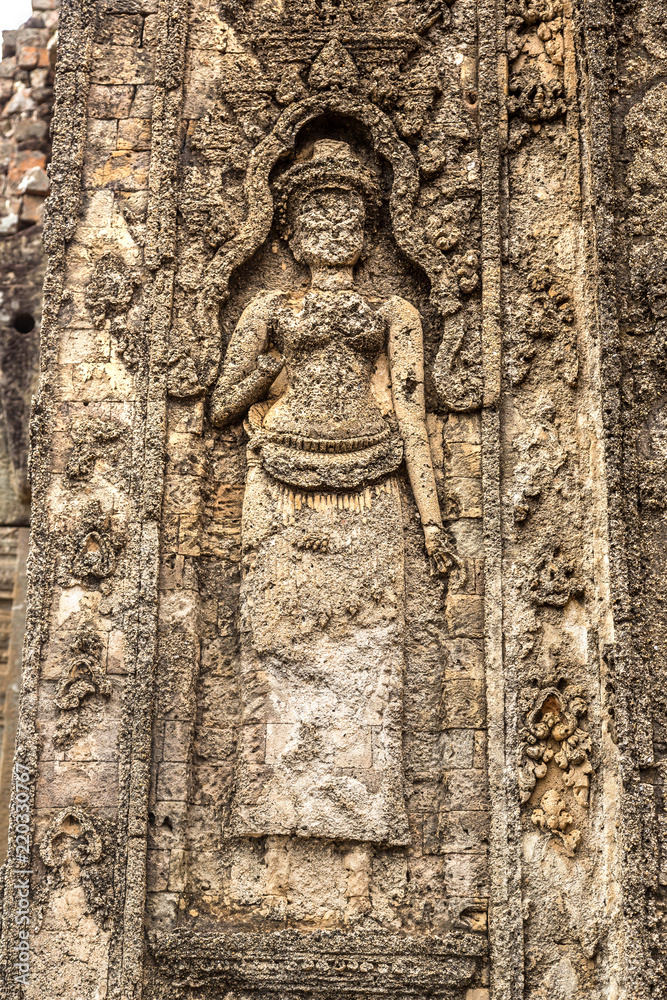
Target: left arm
{"type": "Point", "coordinates": [406, 364]}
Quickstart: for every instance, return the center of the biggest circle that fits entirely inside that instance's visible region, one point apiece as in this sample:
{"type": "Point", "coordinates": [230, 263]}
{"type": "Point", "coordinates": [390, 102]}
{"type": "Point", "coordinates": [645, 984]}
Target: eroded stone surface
{"type": "Point", "coordinates": [347, 504]}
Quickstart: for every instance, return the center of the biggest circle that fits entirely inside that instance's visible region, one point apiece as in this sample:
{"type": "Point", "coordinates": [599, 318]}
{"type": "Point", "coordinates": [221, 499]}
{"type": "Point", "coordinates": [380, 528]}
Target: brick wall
{"type": "Point", "coordinates": [26, 97]}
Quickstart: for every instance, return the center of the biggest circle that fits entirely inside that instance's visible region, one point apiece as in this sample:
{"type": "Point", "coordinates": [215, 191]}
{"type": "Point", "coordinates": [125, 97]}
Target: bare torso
{"type": "Point", "coordinates": [329, 342]}
{"type": "Point", "coordinates": [304, 371]}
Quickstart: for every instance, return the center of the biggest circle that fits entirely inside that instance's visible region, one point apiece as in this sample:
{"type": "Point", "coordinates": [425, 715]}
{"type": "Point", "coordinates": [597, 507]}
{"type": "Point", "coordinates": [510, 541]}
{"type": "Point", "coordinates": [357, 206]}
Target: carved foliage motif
{"type": "Point", "coordinates": [75, 850]}
{"type": "Point", "coordinates": [95, 548]}
{"type": "Point", "coordinates": [84, 677]}
{"type": "Point", "coordinates": [554, 579]}
{"type": "Point", "coordinates": [90, 437]}
{"type": "Point", "coordinates": [544, 313]}
{"type": "Point", "coordinates": [553, 736]}
{"type": "Point", "coordinates": [71, 836]}
{"type": "Point", "coordinates": [537, 55]}
{"type": "Point", "coordinates": [108, 297]}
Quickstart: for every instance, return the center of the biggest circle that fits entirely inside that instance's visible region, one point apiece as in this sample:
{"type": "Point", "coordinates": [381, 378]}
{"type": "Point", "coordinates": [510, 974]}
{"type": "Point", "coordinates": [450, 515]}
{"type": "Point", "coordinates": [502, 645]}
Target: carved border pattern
{"type": "Point", "coordinates": [127, 955]}
{"type": "Point", "coordinates": [77, 23]}
{"type": "Point", "coordinates": [288, 963]}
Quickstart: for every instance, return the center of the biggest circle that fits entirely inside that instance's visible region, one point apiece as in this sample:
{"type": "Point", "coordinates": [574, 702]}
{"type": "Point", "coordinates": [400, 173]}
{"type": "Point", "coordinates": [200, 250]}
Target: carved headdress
{"type": "Point", "coordinates": [332, 165]}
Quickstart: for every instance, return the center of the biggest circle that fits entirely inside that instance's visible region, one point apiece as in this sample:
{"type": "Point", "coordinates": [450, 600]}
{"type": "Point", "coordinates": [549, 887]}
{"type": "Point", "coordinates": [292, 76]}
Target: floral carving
{"type": "Point", "coordinates": [76, 849]}
{"type": "Point", "coordinates": [545, 313]}
{"type": "Point", "coordinates": [554, 580]}
{"type": "Point", "coordinates": [536, 100]}
{"type": "Point", "coordinates": [182, 379]}
{"type": "Point", "coordinates": [94, 548]}
{"type": "Point", "coordinates": [84, 677]}
{"type": "Point", "coordinates": [108, 297]}
{"type": "Point", "coordinates": [555, 754]}
{"type": "Point", "coordinates": [96, 556]}
{"type": "Point", "coordinates": [536, 51]}
{"type": "Point", "coordinates": [71, 835]}
{"type": "Point", "coordinates": [90, 436]}
{"type": "Point", "coordinates": [553, 817]}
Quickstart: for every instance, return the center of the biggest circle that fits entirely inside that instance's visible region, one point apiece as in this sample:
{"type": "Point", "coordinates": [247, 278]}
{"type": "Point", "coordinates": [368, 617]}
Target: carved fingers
{"type": "Point", "coordinates": [270, 366]}
{"type": "Point", "coordinates": [441, 554]}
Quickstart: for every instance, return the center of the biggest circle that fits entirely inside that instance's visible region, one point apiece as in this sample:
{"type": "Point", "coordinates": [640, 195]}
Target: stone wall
{"type": "Point", "coordinates": [26, 99]}
{"type": "Point", "coordinates": [299, 716]}
{"type": "Point", "coordinates": [626, 106]}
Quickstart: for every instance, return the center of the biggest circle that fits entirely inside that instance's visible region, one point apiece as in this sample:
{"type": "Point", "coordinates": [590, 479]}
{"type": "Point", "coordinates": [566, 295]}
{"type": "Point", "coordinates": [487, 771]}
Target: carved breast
{"type": "Point", "coordinates": [327, 317]}
{"type": "Point", "coordinates": [327, 429]}
{"type": "Point", "coordinates": [329, 346]}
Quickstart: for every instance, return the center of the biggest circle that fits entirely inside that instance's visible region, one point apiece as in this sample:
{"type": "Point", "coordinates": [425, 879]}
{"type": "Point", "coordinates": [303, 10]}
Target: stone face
{"type": "Point", "coordinates": [343, 672]}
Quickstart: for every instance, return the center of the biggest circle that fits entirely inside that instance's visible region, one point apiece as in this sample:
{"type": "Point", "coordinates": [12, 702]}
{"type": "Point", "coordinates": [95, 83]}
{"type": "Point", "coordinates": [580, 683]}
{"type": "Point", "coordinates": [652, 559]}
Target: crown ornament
{"type": "Point", "coordinates": [332, 164]}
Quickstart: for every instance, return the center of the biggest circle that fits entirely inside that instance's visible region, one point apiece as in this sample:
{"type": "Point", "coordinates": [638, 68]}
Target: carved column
{"type": "Point", "coordinates": [322, 633]}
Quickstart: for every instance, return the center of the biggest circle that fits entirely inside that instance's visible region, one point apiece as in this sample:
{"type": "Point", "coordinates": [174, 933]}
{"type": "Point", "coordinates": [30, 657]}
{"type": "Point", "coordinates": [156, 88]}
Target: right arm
{"type": "Point", "coordinates": [247, 371]}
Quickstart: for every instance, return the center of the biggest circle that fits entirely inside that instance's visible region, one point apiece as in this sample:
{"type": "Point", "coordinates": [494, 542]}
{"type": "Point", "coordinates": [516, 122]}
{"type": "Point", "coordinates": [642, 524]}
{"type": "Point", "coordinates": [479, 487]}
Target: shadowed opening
{"type": "Point", "coordinates": [24, 322]}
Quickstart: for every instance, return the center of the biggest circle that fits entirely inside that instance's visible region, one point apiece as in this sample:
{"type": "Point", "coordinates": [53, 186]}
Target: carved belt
{"type": "Point", "coordinates": [321, 463]}
{"type": "Point", "coordinates": [327, 446]}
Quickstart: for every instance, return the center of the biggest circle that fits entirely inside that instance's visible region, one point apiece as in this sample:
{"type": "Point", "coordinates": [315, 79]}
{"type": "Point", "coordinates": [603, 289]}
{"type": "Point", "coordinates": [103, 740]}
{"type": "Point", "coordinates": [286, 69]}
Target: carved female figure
{"type": "Point", "coordinates": [332, 385]}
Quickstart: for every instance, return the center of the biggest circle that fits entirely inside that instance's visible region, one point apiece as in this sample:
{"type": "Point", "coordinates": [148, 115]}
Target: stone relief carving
{"type": "Point", "coordinates": [536, 53]}
{"type": "Point", "coordinates": [182, 380]}
{"type": "Point", "coordinates": [554, 579]}
{"type": "Point", "coordinates": [332, 387]}
{"type": "Point", "coordinates": [96, 556]}
{"type": "Point", "coordinates": [367, 961]}
{"type": "Point", "coordinates": [553, 733]}
{"type": "Point", "coordinates": [91, 436]}
{"type": "Point", "coordinates": [84, 677]}
{"type": "Point", "coordinates": [545, 312]}
{"type": "Point", "coordinates": [379, 72]}
{"type": "Point", "coordinates": [445, 292]}
{"type": "Point", "coordinates": [71, 835]}
{"type": "Point", "coordinates": [75, 850]}
{"type": "Point", "coordinates": [108, 297]}
{"type": "Point", "coordinates": [545, 472]}
{"type": "Point", "coordinates": [90, 547]}
{"type": "Point", "coordinates": [349, 47]}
